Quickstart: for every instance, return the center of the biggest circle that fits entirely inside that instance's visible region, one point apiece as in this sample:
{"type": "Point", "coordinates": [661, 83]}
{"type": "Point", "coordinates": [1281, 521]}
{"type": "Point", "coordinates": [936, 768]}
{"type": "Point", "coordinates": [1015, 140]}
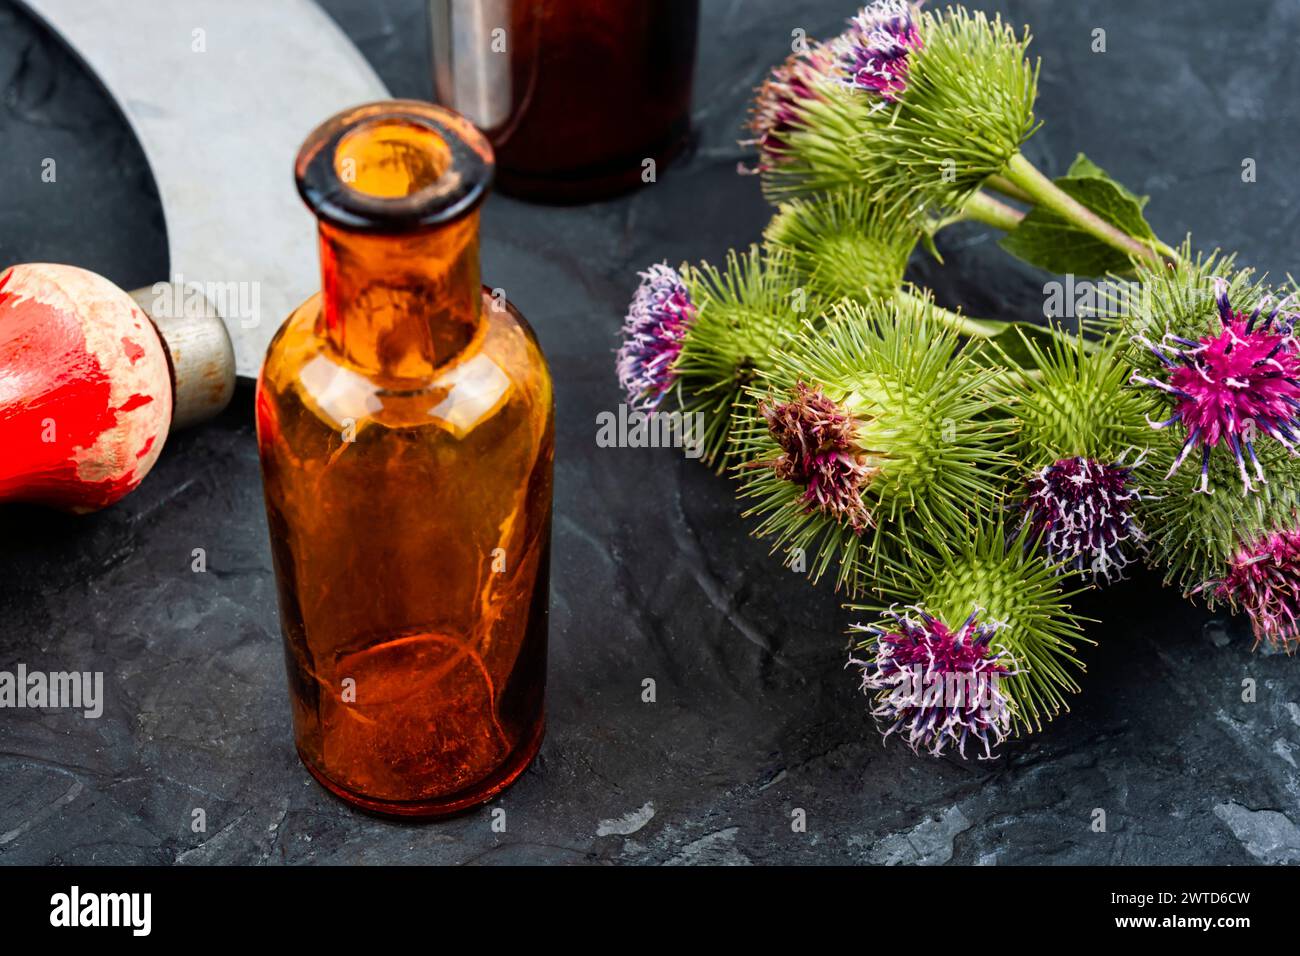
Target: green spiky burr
{"type": "Point", "coordinates": [868, 438]}
{"type": "Point", "coordinates": [967, 109]}
{"type": "Point", "coordinates": [845, 244]}
{"type": "Point", "coordinates": [991, 573]}
{"type": "Point", "coordinates": [1080, 447]}
{"type": "Point", "coordinates": [745, 310]}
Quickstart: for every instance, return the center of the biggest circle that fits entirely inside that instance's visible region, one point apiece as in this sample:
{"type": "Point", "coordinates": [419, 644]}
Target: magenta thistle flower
{"type": "Point", "coordinates": [1240, 379]}
{"type": "Point", "coordinates": [778, 108]}
{"type": "Point", "coordinates": [656, 323]}
{"type": "Point", "coordinates": [820, 451]}
{"type": "Point", "coordinates": [1263, 579]}
{"type": "Point", "coordinates": [1081, 511]}
{"type": "Point", "coordinates": [872, 54]}
{"type": "Point", "coordinates": [937, 685]}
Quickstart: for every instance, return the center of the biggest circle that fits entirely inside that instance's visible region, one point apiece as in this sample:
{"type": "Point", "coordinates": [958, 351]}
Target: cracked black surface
{"type": "Point", "coordinates": [654, 573]}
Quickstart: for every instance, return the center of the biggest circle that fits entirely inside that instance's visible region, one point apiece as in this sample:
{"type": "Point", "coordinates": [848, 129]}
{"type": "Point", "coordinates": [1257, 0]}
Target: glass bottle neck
{"type": "Point", "coordinates": [401, 306]}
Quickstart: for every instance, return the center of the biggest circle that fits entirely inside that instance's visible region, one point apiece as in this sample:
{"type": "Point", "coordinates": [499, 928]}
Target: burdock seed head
{"type": "Point", "coordinates": [886, 389]}
{"type": "Point", "coordinates": [1263, 579]}
{"type": "Point", "coordinates": [937, 686]}
{"type": "Point", "coordinates": [1233, 385]}
{"type": "Point", "coordinates": [1197, 519]}
{"type": "Point", "coordinates": [781, 106]}
{"type": "Point", "coordinates": [845, 243]}
{"type": "Point", "coordinates": [657, 320]}
{"type": "Point", "coordinates": [959, 110]}
{"type": "Point", "coordinates": [1080, 435]}
{"type": "Point", "coordinates": [998, 579]}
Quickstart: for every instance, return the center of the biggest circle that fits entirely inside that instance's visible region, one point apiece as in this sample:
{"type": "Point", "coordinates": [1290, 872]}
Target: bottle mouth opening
{"type": "Point", "coordinates": [394, 166]}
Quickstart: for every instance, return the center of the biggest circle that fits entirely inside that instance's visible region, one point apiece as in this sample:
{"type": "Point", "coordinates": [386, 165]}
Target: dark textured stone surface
{"type": "Point", "coordinates": [654, 575]}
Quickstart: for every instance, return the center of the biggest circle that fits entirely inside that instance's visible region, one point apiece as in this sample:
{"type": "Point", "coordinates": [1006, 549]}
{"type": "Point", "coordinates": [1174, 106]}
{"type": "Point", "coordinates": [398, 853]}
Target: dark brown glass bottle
{"type": "Point", "coordinates": [575, 95]}
{"type": "Point", "coordinates": [405, 425]}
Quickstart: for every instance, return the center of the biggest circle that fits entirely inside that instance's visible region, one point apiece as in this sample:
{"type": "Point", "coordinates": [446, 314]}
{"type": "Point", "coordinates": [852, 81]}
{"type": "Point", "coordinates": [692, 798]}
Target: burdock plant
{"type": "Point", "coordinates": [703, 334]}
{"type": "Point", "coordinates": [1214, 348]}
{"type": "Point", "coordinates": [933, 108]}
{"type": "Point", "coordinates": [989, 606]}
{"type": "Point", "coordinates": [937, 685]}
{"type": "Point", "coordinates": [1079, 446]}
{"type": "Point", "coordinates": [847, 244]}
{"type": "Point", "coordinates": [869, 435]}
{"type": "Point", "coordinates": [963, 474]}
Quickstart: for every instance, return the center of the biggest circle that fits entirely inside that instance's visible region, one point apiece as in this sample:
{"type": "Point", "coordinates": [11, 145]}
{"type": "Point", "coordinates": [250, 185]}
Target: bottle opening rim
{"type": "Point", "coordinates": [347, 170]}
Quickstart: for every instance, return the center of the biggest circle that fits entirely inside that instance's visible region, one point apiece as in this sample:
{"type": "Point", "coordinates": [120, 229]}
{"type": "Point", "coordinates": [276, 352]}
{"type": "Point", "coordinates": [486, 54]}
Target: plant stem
{"type": "Point", "coordinates": [1000, 184]}
{"type": "Point", "coordinates": [986, 328]}
{"type": "Point", "coordinates": [981, 207]}
{"type": "Point", "coordinates": [1042, 191]}
{"type": "Point", "coordinates": [984, 208]}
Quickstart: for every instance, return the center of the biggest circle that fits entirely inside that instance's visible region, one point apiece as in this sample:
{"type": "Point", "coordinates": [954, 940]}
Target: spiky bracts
{"type": "Point", "coordinates": [925, 450]}
{"type": "Point", "coordinates": [656, 324]}
{"type": "Point", "coordinates": [783, 102]}
{"type": "Point", "coordinates": [1263, 579]}
{"type": "Point", "coordinates": [967, 107]}
{"type": "Point", "coordinates": [1192, 535]}
{"type": "Point", "coordinates": [937, 685]}
{"type": "Point", "coordinates": [825, 149]}
{"type": "Point", "coordinates": [983, 570]}
{"type": "Point", "coordinates": [872, 54]}
{"type": "Point", "coordinates": [1236, 383]}
{"type": "Point", "coordinates": [845, 244]}
{"type": "Point", "coordinates": [1080, 435]}
{"type": "Point", "coordinates": [806, 124]}
{"type": "Point", "coordinates": [907, 105]}
{"type": "Point", "coordinates": [1078, 402]}
{"type": "Point", "coordinates": [1081, 512]}
{"type": "Point", "coordinates": [743, 312]}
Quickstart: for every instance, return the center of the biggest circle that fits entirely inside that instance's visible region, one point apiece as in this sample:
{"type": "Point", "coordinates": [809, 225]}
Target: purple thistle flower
{"type": "Point", "coordinates": [872, 54]}
{"type": "Point", "coordinates": [820, 450]}
{"type": "Point", "coordinates": [1240, 379]}
{"type": "Point", "coordinates": [657, 321]}
{"type": "Point", "coordinates": [1263, 579]}
{"type": "Point", "coordinates": [939, 685]}
{"type": "Point", "coordinates": [778, 108]}
{"type": "Point", "coordinates": [1082, 512]}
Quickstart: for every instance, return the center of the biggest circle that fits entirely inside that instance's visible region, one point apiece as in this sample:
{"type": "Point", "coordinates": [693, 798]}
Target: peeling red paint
{"type": "Point", "coordinates": [135, 401]}
{"type": "Point", "coordinates": [134, 351]}
{"type": "Point", "coordinates": [65, 443]}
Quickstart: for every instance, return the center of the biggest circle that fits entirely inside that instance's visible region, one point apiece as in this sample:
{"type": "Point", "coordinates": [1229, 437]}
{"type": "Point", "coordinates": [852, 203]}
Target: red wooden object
{"type": "Point", "coordinates": [85, 391]}
{"type": "Point", "coordinates": [90, 385]}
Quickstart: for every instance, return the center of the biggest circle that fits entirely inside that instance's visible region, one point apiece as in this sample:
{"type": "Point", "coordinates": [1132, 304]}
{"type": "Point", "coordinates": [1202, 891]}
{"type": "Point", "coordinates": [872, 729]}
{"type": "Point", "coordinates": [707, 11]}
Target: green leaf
{"type": "Point", "coordinates": [1085, 168]}
{"type": "Point", "coordinates": [1047, 240]}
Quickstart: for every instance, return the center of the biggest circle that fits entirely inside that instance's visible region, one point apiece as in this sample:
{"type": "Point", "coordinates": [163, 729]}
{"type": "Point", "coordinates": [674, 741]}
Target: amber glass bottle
{"type": "Point", "coordinates": [405, 424]}
{"type": "Point", "coordinates": [574, 94]}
